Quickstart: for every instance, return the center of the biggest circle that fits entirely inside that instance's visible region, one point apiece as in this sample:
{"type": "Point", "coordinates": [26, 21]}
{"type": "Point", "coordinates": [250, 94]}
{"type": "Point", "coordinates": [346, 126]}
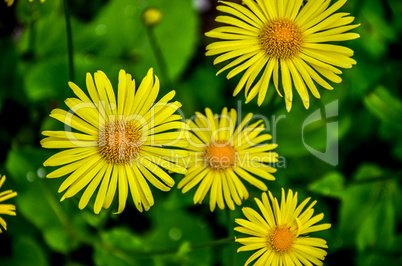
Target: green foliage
{"type": "Point", "coordinates": [27, 252]}
{"type": "Point", "coordinates": [331, 184]}
{"type": "Point", "coordinates": [360, 195]}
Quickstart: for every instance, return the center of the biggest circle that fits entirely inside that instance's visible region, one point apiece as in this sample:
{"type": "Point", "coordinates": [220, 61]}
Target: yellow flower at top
{"type": "Point", "coordinates": [283, 39]}
{"type": "Point", "coordinates": [117, 145]}
{"type": "Point", "coordinates": [8, 209]}
{"type": "Point", "coordinates": [223, 153]}
{"type": "Point", "coordinates": [10, 2]}
{"type": "Point", "coordinates": [280, 234]}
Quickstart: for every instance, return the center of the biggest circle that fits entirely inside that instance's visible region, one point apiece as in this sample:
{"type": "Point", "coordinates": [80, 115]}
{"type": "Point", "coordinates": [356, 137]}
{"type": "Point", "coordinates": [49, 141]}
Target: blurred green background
{"type": "Point", "coordinates": [360, 196]}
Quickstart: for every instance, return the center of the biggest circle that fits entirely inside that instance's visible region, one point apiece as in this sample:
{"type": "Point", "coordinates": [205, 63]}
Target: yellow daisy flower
{"type": "Point", "coordinates": [117, 143]}
{"type": "Point", "coordinates": [268, 35]}
{"type": "Point", "coordinates": [8, 209]}
{"type": "Point", "coordinates": [10, 2]}
{"type": "Point", "coordinates": [222, 154]}
{"type": "Point", "coordinates": [280, 234]}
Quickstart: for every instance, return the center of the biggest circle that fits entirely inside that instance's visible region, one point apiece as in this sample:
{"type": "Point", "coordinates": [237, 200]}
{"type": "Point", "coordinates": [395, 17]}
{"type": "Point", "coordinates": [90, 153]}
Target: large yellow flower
{"type": "Point", "coordinates": [119, 143]}
{"type": "Point", "coordinates": [8, 209]}
{"type": "Point", "coordinates": [280, 234]}
{"type": "Point", "coordinates": [286, 37]}
{"type": "Point", "coordinates": [222, 154]}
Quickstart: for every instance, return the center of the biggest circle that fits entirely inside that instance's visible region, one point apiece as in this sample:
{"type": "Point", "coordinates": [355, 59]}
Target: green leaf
{"type": "Point", "coordinates": [377, 230]}
{"type": "Point", "coordinates": [35, 10]}
{"type": "Point", "coordinates": [119, 246]}
{"type": "Point", "coordinates": [367, 213]}
{"type": "Point", "coordinates": [38, 202]}
{"type": "Point", "coordinates": [311, 129]}
{"type": "Point", "coordinates": [174, 227]}
{"type": "Point", "coordinates": [177, 40]}
{"type": "Point", "coordinates": [57, 238]}
{"type": "Point", "coordinates": [377, 31]}
{"type": "Point", "coordinates": [24, 165]}
{"type": "Point", "coordinates": [376, 259]}
{"type": "Point", "coordinates": [124, 37]}
{"type": "Point", "coordinates": [8, 69]}
{"type": "Point", "coordinates": [36, 207]}
{"type": "Point", "coordinates": [122, 238]}
{"type": "Point", "coordinates": [106, 257]}
{"type": "Point", "coordinates": [48, 79]}
{"type": "Point", "coordinates": [367, 171]}
{"type": "Point", "coordinates": [184, 248]}
{"type": "Point", "coordinates": [27, 251]}
{"type": "Point", "coordinates": [113, 31]}
{"type": "Point", "coordinates": [361, 78]}
{"type": "Point", "coordinates": [385, 106]}
{"type": "Point", "coordinates": [388, 108]}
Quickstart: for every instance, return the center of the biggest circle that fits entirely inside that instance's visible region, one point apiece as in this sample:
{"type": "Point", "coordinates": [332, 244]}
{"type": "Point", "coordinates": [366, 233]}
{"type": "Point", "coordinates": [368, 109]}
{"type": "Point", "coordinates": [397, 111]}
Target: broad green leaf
{"type": "Point", "coordinates": [27, 251]}
{"type": "Point", "coordinates": [119, 246]}
{"type": "Point", "coordinates": [122, 238]}
{"type": "Point", "coordinates": [24, 165]}
{"type": "Point", "coordinates": [200, 89]}
{"type": "Point", "coordinates": [37, 208]}
{"type": "Point", "coordinates": [35, 10]}
{"type": "Point", "coordinates": [175, 227]}
{"type": "Point", "coordinates": [367, 215]}
{"type": "Point", "coordinates": [378, 32]}
{"type": "Point", "coordinates": [367, 171]}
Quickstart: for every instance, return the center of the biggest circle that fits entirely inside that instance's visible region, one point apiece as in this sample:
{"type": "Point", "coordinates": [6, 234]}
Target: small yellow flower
{"type": "Point", "coordinates": [222, 154]}
{"type": "Point", "coordinates": [8, 209]}
{"type": "Point", "coordinates": [117, 144]}
{"type": "Point", "coordinates": [283, 38]}
{"type": "Point", "coordinates": [280, 234]}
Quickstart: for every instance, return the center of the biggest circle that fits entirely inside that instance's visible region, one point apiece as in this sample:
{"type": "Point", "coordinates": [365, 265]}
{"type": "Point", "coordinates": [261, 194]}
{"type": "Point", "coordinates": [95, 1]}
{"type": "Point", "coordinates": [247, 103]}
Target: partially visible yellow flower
{"type": "Point", "coordinates": [284, 39]}
{"type": "Point", "coordinates": [151, 16]}
{"type": "Point", "coordinates": [10, 2]}
{"type": "Point", "coordinates": [280, 234]}
{"type": "Point", "coordinates": [121, 144]}
{"type": "Point", "coordinates": [223, 153]}
{"type": "Point", "coordinates": [8, 209]}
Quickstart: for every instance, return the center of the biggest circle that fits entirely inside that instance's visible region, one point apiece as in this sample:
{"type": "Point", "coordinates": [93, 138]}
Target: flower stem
{"type": "Point", "coordinates": [158, 55]}
{"type": "Point", "coordinates": [69, 41]}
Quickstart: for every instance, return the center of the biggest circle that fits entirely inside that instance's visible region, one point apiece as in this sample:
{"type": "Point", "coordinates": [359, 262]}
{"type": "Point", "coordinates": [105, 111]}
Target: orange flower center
{"type": "Point", "coordinates": [119, 141]}
{"type": "Point", "coordinates": [281, 239]}
{"type": "Point", "coordinates": [281, 38]}
{"type": "Point", "coordinates": [220, 155]}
